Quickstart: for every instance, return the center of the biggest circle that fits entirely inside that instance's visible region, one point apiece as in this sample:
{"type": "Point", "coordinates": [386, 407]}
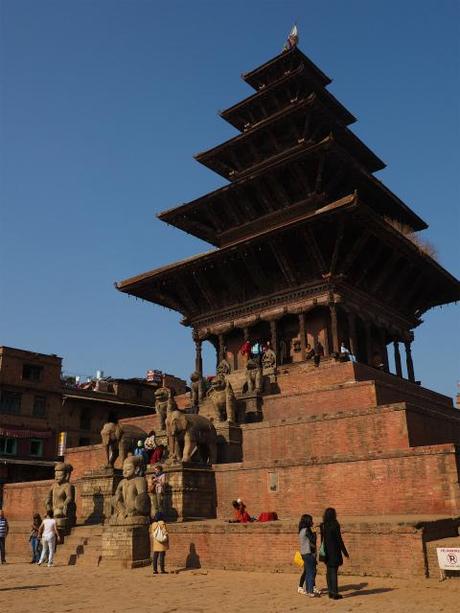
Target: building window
{"type": "Point", "coordinates": [85, 420]}
{"type": "Point", "coordinates": [39, 409]}
{"type": "Point", "coordinates": [8, 446]}
{"type": "Point", "coordinates": [30, 372]}
{"type": "Point", "coordinates": [10, 403]}
{"type": "Point", "coordinates": [36, 447]}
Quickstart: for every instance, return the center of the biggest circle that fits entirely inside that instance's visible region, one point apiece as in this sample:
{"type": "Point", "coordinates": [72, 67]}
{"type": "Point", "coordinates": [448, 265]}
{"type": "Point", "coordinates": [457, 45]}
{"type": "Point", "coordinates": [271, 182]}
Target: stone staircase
{"type": "Point", "coordinates": [83, 546]}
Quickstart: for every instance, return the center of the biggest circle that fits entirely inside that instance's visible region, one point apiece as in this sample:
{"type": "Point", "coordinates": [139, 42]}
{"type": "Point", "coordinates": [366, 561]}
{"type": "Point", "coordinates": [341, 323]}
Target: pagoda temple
{"type": "Point", "coordinates": [311, 248]}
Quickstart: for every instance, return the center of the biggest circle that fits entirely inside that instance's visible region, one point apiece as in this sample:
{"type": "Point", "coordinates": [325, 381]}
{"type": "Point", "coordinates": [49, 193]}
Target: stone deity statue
{"type": "Point", "coordinates": [164, 404]}
{"type": "Point", "coordinates": [197, 391]}
{"type": "Point", "coordinates": [131, 502]}
{"type": "Point", "coordinates": [61, 497]}
{"type": "Point", "coordinates": [223, 368]}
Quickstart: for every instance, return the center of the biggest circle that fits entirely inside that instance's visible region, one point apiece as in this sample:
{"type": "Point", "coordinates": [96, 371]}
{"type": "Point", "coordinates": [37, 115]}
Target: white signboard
{"type": "Point", "coordinates": [448, 558]}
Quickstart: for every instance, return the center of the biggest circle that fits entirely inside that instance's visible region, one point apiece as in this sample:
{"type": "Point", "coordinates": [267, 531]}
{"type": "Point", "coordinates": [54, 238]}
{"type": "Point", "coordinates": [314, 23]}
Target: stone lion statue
{"type": "Point", "coordinates": [223, 398]}
{"type": "Point", "coordinates": [164, 404]}
{"type": "Point", "coordinates": [119, 440]}
{"type": "Point", "coordinates": [189, 433]}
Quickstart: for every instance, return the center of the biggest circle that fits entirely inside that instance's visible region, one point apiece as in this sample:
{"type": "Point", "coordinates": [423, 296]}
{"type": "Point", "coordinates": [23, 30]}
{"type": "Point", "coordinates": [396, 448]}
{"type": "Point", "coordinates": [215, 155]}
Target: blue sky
{"type": "Point", "coordinates": [104, 103]}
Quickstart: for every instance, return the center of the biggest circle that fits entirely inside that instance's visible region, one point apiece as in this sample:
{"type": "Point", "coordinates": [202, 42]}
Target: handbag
{"type": "Point", "coordinates": [322, 552]}
{"type": "Point", "coordinates": [159, 535]}
{"type": "Point", "coordinates": [298, 560]}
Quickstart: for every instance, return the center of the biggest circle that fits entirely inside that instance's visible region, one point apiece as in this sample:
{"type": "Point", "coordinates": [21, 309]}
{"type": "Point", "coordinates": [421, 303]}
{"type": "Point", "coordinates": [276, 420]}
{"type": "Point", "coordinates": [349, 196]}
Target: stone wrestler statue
{"type": "Point", "coordinates": [131, 498]}
{"type": "Point", "coordinates": [61, 497]}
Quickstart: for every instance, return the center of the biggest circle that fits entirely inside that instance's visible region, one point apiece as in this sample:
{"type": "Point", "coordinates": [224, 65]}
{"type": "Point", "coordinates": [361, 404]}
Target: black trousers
{"type": "Point", "coordinates": [161, 556]}
{"type": "Point", "coordinates": [331, 578]}
{"type": "Point", "coordinates": [2, 548]}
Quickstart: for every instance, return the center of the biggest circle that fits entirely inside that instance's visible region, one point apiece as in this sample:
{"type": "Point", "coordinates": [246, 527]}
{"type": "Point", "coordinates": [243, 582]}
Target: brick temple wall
{"type": "Point", "coordinates": [418, 481]}
{"type": "Point", "coordinates": [21, 500]}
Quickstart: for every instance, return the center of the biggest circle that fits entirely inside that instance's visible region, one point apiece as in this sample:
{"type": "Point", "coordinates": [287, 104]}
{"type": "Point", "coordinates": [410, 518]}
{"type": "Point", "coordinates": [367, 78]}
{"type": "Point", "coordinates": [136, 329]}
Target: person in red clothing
{"type": "Point", "coordinates": [241, 516]}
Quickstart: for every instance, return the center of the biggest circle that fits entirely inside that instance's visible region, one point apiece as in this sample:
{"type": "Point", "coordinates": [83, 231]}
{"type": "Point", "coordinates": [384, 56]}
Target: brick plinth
{"type": "Point", "coordinates": [96, 489]}
{"type": "Point", "coordinates": [125, 546]}
{"type": "Point", "coordinates": [190, 492]}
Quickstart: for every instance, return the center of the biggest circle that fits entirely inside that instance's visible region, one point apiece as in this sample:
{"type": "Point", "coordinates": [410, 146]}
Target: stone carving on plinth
{"type": "Point", "coordinates": [223, 399]}
{"type": "Point", "coordinates": [131, 502]}
{"type": "Point", "coordinates": [253, 378]}
{"type": "Point", "coordinates": [189, 433]}
{"type": "Point", "coordinates": [197, 391]}
{"type": "Point", "coordinates": [164, 404]}
{"type": "Point", "coordinates": [61, 497]}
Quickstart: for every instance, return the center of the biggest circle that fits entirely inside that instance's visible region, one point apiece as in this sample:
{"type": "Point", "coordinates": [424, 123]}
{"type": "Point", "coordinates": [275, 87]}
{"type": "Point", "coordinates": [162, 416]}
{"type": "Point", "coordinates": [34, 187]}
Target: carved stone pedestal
{"type": "Point", "coordinates": [96, 489]}
{"type": "Point", "coordinates": [253, 406]}
{"type": "Point", "coordinates": [126, 545]}
{"type": "Point", "coordinates": [229, 442]}
{"type": "Point", "coordinates": [190, 492]}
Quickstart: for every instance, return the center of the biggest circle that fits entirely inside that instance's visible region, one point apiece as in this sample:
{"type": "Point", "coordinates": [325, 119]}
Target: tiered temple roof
{"type": "Point", "coordinates": [302, 216]}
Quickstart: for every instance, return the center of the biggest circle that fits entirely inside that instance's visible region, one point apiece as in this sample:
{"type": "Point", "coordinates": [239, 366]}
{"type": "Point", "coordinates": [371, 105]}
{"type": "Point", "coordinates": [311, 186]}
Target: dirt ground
{"type": "Point", "coordinates": [65, 589]}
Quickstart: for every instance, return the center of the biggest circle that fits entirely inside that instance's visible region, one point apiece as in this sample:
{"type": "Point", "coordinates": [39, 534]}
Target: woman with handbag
{"type": "Point", "coordinates": [332, 547]}
{"type": "Point", "coordinates": [160, 540]}
{"type": "Point", "coordinates": [307, 542]}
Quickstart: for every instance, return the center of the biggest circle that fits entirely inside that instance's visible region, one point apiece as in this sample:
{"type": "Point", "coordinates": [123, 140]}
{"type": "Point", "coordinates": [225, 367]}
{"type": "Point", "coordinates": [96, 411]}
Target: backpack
{"type": "Point", "coordinates": [159, 535]}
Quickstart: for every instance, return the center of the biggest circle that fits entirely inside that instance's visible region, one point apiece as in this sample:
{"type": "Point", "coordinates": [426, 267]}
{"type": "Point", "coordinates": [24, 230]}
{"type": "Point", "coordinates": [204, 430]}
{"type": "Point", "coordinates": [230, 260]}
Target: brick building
{"type": "Point", "coordinates": [39, 410]}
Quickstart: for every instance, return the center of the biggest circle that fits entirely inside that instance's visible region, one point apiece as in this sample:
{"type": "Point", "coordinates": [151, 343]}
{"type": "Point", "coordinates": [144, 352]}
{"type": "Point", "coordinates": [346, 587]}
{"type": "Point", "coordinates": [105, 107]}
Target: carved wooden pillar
{"type": "Point", "coordinates": [383, 338]}
{"type": "Point", "coordinates": [245, 333]}
{"type": "Point", "coordinates": [368, 327]}
{"type": "Point", "coordinates": [353, 345]}
{"type": "Point", "coordinates": [409, 362]}
{"type": "Point", "coordinates": [303, 340]}
{"type": "Point", "coordinates": [198, 358]}
{"type": "Point", "coordinates": [220, 354]}
{"type": "Point", "coordinates": [334, 328]}
{"type": "Point", "coordinates": [274, 336]}
{"type": "Point", "coordinates": [397, 359]}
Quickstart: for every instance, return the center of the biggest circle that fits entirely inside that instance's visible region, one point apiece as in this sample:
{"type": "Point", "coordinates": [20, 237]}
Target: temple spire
{"type": "Point", "coordinates": [292, 39]}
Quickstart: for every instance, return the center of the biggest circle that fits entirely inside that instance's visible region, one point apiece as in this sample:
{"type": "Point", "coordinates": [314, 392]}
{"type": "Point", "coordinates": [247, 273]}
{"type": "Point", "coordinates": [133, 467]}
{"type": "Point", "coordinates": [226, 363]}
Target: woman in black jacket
{"type": "Point", "coordinates": [334, 546]}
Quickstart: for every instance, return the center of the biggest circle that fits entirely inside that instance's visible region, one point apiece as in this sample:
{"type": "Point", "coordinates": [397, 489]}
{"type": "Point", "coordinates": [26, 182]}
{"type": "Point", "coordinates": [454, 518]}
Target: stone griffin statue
{"type": "Point", "coordinates": [131, 502]}
{"type": "Point", "coordinates": [197, 391]}
{"type": "Point", "coordinates": [223, 398]}
{"type": "Point", "coordinates": [61, 497]}
{"type": "Point", "coordinates": [119, 440]}
{"type": "Point", "coordinates": [164, 404]}
{"type": "Point", "coordinates": [253, 378]}
{"type": "Point", "coordinates": [189, 433]}
{"type": "Point", "coordinates": [269, 360]}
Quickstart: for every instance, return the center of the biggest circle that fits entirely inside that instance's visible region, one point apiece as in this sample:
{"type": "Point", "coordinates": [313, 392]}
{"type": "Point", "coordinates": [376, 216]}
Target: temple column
{"type": "Point", "coordinates": [245, 333]}
{"type": "Point", "coordinates": [409, 362]}
{"type": "Point", "coordinates": [274, 336]}
{"type": "Point", "coordinates": [353, 345]}
{"type": "Point", "coordinates": [221, 349]}
{"type": "Point", "coordinates": [397, 359]}
{"type": "Point", "coordinates": [383, 343]}
{"type": "Point", "coordinates": [198, 358]}
{"type": "Point", "coordinates": [334, 328]}
{"type": "Point", "coordinates": [368, 327]}
{"type": "Point", "coordinates": [303, 340]}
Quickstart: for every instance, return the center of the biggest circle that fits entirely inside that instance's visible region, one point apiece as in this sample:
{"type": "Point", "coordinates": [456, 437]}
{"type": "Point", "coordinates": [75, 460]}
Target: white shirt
{"type": "Point", "coordinates": [49, 527]}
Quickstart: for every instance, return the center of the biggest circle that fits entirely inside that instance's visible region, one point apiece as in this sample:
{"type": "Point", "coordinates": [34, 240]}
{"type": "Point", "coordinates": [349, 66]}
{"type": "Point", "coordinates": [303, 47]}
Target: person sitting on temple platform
{"type": "Point", "coordinates": [245, 350]}
{"type": "Point", "coordinates": [345, 354]}
{"type": "Point", "coordinates": [256, 351]}
{"type": "Point", "coordinates": [155, 451]}
{"type": "Point", "coordinates": [241, 516]}
{"type": "Point", "coordinates": [377, 361]}
{"type": "Point", "coordinates": [141, 452]}
{"type": "Point", "coordinates": [309, 352]}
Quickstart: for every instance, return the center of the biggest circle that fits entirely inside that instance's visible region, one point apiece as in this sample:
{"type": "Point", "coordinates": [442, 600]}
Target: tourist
{"type": "Point", "coordinates": [309, 352]}
{"type": "Point", "coordinates": [307, 540]}
{"type": "Point", "coordinates": [243, 515]}
{"type": "Point", "coordinates": [34, 538]}
{"type": "Point", "coordinates": [50, 535]}
{"type": "Point", "coordinates": [157, 488]}
{"type": "Point", "coordinates": [142, 452]}
{"type": "Point", "coordinates": [155, 452]}
{"type": "Point", "coordinates": [4, 528]}
{"type": "Point", "coordinates": [332, 547]}
{"type": "Point", "coordinates": [160, 543]}
{"type": "Point", "coordinates": [345, 354]}
{"type": "Point", "coordinates": [256, 351]}
{"type": "Point", "coordinates": [245, 350]}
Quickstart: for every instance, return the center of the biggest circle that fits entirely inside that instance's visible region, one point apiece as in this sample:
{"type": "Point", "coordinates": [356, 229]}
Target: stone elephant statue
{"type": "Point", "coordinates": [189, 433]}
{"type": "Point", "coordinates": [119, 440]}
